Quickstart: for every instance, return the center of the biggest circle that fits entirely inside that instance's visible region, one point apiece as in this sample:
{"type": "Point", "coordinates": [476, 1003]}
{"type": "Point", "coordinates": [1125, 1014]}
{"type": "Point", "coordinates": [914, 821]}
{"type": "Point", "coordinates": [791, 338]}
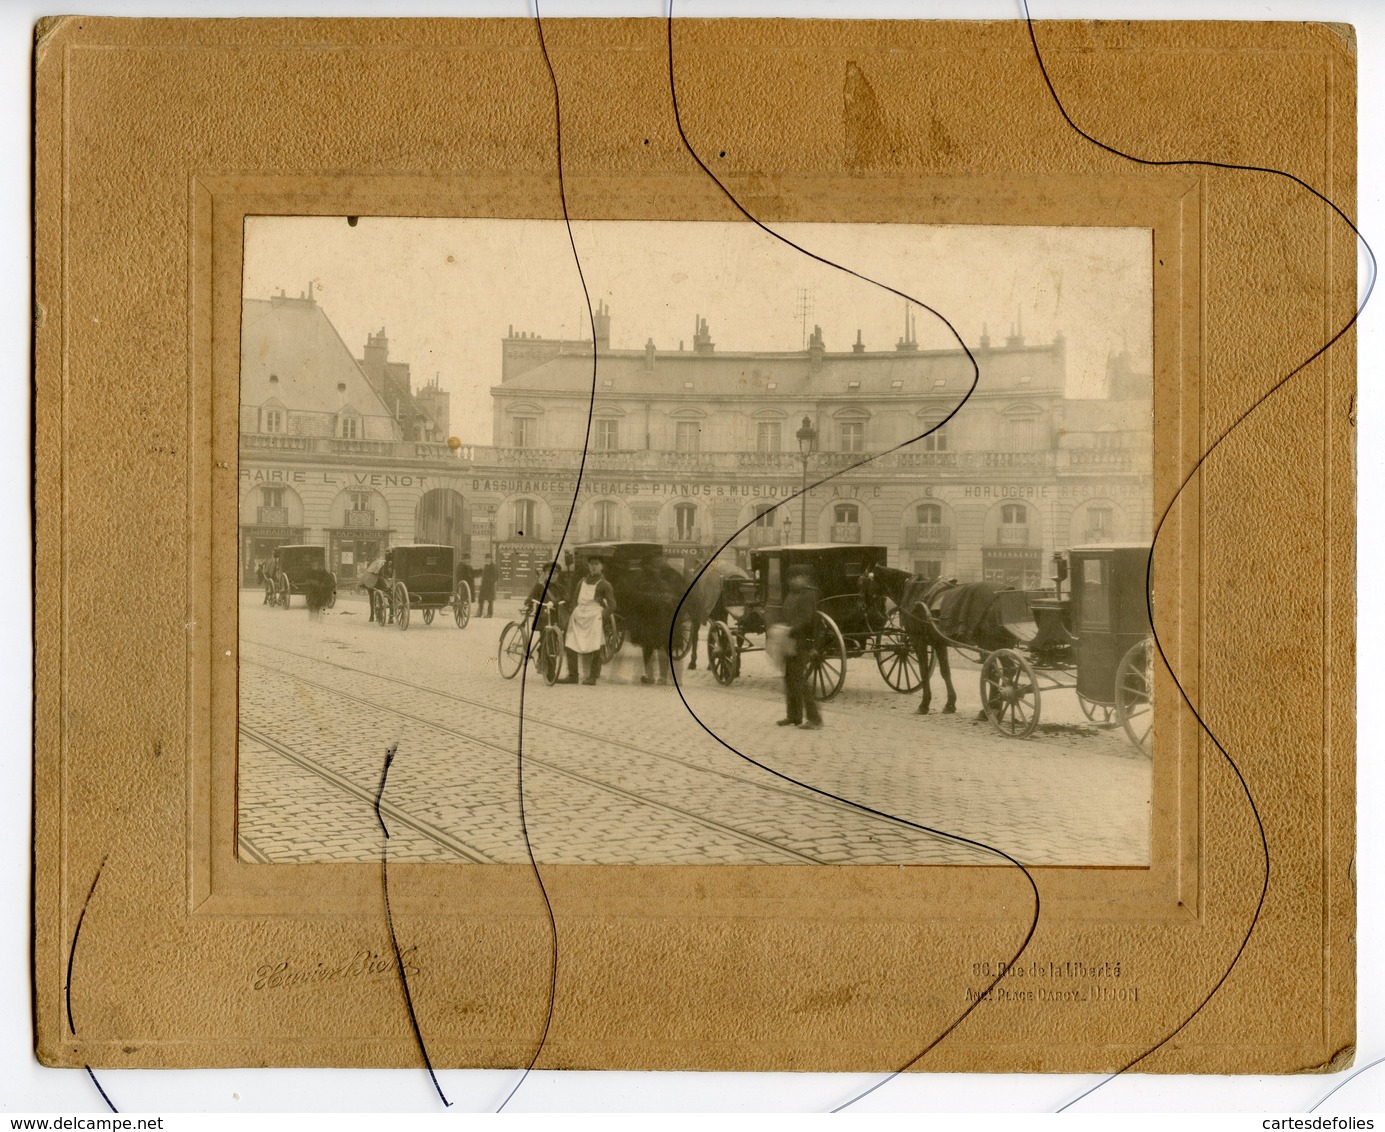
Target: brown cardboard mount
{"type": "Point", "coordinates": [156, 138]}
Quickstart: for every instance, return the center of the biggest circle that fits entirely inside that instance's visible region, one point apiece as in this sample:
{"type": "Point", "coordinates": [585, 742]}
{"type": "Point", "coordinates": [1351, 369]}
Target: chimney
{"type": "Point", "coordinates": [1015, 339]}
{"type": "Point", "coordinates": [649, 356]}
{"type": "Point", "coordinates": [601, 320]}
{"type": "Point", "coordinates": [985, 337]}
{"type": "Point", "coordinates": [815, 350]}
{"type": "Point", "coordinates": [702, 340]}
{"type": "Point", "coordinates": [907, 345]}
{"type": "Point", "coordinates": [858, 347]}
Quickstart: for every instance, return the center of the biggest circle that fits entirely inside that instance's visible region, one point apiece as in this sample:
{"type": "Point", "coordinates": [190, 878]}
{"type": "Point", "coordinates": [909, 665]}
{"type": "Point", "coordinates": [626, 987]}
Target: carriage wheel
{"type": "Point", "coordinates": [427, 616]}
{"type": "Point", "coordinates": [284, 593]}
{"type": "Point", "coordinates": [614, 638]}
{"type": "Point", "coordinates": [401, 606]}
{"type": "Point", "coordinates": [331, 601]}
{"type": "Point", "coordinates": [682, 637]}
{"type": "Point", "coordinates": [1135, 694]}
{"type": "Point", "coordinates": [1010, 693]}
{"type": "Point", "coordinates": [722, 653]}
{"type": "Point", "coordinates": [550, 654]}
{"type": "Point", "coordinates": [894, 656]}
{"type": "Point", "coordinates": [1100, 714]}
{"type": "Point", "coordinates": [461, 606]}
{"type": "Point", "coordinates": [825, 660]}
{"type": "Point", "coordinates": [514, 649]}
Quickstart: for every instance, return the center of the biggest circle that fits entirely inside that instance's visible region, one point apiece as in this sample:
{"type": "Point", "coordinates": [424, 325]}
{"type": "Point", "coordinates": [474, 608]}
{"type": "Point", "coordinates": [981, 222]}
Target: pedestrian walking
{"type": "Point", "coordinates": [486, 605]}
{"type": "Point", "coordinates": [800, 613]}
{"type": "Point", "coordinates": [592, 601]}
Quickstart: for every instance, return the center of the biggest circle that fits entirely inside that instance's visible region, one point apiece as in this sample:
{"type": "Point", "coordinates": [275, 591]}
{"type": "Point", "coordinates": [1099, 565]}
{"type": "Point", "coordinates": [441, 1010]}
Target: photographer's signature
{"type": "Point", "coordinates": [363, 965]}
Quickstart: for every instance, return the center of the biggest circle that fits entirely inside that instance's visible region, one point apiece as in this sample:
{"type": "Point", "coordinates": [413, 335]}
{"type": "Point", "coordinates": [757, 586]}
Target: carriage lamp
{"type": "Point", "coordinates": [807, 441]}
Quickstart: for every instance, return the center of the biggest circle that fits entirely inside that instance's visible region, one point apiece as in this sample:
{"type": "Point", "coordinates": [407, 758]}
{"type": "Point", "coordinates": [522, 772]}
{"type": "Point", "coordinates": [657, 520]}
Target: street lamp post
{"type": "Point", "coordinates": [807, 441]}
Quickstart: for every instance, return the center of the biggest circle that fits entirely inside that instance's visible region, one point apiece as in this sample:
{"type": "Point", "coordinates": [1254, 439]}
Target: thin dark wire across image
{"type": "Point", "coordinates": [1028, 930]}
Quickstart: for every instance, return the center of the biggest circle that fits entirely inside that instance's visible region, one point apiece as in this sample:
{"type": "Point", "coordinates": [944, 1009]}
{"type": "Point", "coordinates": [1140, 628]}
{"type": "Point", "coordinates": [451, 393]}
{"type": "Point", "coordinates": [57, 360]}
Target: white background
{"type": "Point", "coordinates": [25, 1087]}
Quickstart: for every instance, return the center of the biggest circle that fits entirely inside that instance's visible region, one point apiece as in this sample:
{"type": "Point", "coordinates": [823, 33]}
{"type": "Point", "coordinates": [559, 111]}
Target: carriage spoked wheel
{"type": "Point", "coordinates": [461, 606]}
{"type": "Point", "coordinates": [682, 637]}
{"type": "Point", "coordinates": [1135, 694]}
{"type": "Point", "coordinates": [722, 653]}
{"type": "Point", "coordinates": [1010, 693]}
{"type": "Point", "coordinates": [614, 638]}
{"type": "Point", "coordinates": [332, 600]}
{"type": "Point", "coordinates": [825, 659]}
{"type": "Point", "coordinates": [1100, 714]}
{"type": "Point", "coordinates": [895, 658]}
{"type": "Point", "coordinates": [550, 654]}
{"type": "Point", "coordinates": [427, 616]}
{"type": "Point", "coordinates": [283, 591]}
{"type": "Point", "coordinates": [401, 606]}
{"type": "Point", "coordinates": [514, 650]}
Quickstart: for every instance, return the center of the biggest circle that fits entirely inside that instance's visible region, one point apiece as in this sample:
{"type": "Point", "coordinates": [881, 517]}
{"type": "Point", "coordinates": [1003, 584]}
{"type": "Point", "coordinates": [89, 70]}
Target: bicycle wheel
{"type": "Point", "coordinates": [514, 648]}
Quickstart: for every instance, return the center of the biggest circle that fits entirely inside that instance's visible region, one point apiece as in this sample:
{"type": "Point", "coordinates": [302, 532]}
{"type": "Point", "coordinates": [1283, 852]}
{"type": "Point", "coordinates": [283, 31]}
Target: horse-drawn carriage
{"type": "Point", "coordinates": [296, 569]}
{"type": "Point", "coordinates": [1096, 640]}
{"type": "Point", "coordinates": [419, 577]}
{"type": "Point", "coordinates": [849, 624]}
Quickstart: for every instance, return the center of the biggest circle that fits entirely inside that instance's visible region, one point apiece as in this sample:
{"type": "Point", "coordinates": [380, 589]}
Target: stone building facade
{"type": "Point", "coordinates": [689, 446]}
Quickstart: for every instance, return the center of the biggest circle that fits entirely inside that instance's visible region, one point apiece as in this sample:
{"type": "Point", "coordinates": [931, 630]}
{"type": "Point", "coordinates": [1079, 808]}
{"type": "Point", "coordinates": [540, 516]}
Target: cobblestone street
{"type": "Point", "coordinates": [625, 773]}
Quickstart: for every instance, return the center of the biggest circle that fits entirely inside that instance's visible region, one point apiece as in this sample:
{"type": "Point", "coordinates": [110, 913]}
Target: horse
{"type": "Point", "coordinates": [934, 613]}
{"type": "Point", "coordinates": [702, 602]}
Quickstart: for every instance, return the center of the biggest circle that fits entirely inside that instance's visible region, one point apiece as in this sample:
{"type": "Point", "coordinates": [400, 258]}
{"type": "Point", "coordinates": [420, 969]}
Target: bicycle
{"type": "Point", "coordinates": [517, 644]}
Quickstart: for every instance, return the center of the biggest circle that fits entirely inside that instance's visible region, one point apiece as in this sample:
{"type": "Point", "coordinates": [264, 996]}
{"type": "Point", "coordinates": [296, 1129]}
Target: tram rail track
{"type": "Point", "coordinates": [576, 776]}
{"type": "Point", "coordinates": [532, 719]}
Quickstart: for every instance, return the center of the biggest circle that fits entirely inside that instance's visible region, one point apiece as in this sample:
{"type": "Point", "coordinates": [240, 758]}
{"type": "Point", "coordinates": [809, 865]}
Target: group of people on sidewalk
{"type": "Point", "coordinates": [653, 590]}
{"type": "Point", "coordinates": [583, 605]}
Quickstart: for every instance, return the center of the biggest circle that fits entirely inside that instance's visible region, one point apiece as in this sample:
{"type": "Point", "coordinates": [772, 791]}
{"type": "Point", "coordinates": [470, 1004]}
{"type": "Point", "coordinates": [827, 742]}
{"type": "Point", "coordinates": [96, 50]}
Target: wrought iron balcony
{"type": "Point", "coordinates": [598, 532]}
{"type": "Point", "coordinates": [360, 518]}
{"type": "Point", "coordinates": [765, 535]}
{"type": "Point", "coordinates": [272, 516]}
{"type": "Point", "coordinates": [1013, 534]}
{"type": "Point", "coordinates": [846, 532]}
{"type": "Point", "coordinates": [686, 535]}
{"type": "Point", "coordinates": [934, 536]}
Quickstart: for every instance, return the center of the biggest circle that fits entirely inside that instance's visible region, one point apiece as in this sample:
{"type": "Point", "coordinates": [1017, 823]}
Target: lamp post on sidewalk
{"type": "Point", "coordinates": [807, 442]}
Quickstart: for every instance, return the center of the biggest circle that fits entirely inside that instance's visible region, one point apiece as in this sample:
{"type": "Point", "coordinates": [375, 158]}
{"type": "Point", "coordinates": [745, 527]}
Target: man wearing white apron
{"type": "Point", "coordinates": [592, 600]}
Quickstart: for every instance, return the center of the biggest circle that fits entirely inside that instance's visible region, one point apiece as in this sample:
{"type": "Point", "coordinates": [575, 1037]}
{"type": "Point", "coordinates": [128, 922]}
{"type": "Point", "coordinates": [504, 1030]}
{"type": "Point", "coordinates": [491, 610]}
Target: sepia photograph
{"type": "Point", "coordinates": [735, 535]}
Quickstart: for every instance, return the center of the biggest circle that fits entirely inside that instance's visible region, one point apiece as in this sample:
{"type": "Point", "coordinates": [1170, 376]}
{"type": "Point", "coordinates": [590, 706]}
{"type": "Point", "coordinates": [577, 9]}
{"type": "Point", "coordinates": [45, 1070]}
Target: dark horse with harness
{"type": "Point", "coordinates": [937, 614]}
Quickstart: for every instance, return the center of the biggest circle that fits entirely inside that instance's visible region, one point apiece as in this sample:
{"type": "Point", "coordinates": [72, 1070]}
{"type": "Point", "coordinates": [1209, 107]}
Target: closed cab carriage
{"type": "Point", "coordinates": [849, 622]}
{"type": "Point", "coordinates": [421, 579]}
{"type": "Point", "coordinates": [1096, 640]}
{"type": "Point", "coordinates": [292, 569]}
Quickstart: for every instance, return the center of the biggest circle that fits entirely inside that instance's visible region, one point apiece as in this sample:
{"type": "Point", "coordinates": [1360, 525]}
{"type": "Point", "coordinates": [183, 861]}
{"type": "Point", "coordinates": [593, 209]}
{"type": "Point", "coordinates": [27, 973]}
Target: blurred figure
{"type": "Point", "coordinates": [485, 606]}
{"type": "Point", "coordinates": [800, 614]}
{"type": "Point", "coordinates": [657, 592]}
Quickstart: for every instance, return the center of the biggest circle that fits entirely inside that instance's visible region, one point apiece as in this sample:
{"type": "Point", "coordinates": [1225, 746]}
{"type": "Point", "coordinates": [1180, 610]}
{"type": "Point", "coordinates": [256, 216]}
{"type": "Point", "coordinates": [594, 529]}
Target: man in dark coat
{"type": "Point", "coordinates": [800, 613]}
{"type": "Point", "coordinates": [486, 605]}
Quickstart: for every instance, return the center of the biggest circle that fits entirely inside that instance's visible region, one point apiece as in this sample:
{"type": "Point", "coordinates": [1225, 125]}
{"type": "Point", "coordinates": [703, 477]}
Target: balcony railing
{"type": "Point", "coordinates": [687, 535]}
{"type": "Point", "coordinates": [645, 532]}
{"type": "Point", "coordinates": [1097, 534]}
{"type": "Point", "coordinates": [360, 518]}
{"type": "Point", "coordinates": [765, 536]}
{"type": "Point", "coordinates": [598, 532]}
{"type": "Point", "coordinates": [1013, 535]}
{"type": "Point", "coordinates": [784, 463]}
{"type": "Point", "coordinates": [934, 536]}
{"type": "Point", "coordinates": [846, 532]}
{"type": "Point", "coordinates": [272, 516]}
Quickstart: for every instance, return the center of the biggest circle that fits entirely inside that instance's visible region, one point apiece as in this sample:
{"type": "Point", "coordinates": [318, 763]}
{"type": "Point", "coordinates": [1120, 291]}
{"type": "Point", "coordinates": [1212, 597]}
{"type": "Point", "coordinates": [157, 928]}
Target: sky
{"type": "Point", "coordinates": [447, 291]}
